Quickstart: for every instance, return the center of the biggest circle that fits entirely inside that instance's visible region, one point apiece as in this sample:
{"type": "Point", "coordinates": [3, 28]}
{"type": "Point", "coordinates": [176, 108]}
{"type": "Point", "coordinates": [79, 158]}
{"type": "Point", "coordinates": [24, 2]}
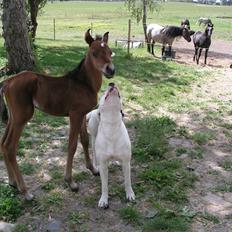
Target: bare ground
{"type": "Point", "coordinates": [213, 111]}
{"type": "Point", "coordinates": [214, 95]}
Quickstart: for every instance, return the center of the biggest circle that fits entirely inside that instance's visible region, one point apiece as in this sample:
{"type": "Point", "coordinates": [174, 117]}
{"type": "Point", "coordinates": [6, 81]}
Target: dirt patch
{"type": "Point", "coordinates": [219, 55]}
{"type": "Point", "coordinates": [213, 113]}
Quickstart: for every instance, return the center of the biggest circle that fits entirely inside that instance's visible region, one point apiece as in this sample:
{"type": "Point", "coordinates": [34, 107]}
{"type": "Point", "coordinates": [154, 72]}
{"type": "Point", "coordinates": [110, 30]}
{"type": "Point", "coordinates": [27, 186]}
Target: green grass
{"type": "Point", "coordinates": [226, 164]}
{"type": "Point", "coordinates": [10, 206]}
{"type": "Point", "coordinates": [151, 142]}
{"type": "Point", "coordinates": [20, 228]}
{"type": "Point", "coordinates": [160, 180]}
{"type": "Point", "coordinates": [202, 138]}
{"type": "Point", "coordinates": [27, 168]}
{"type": "Point", "coordinates": [130, 214]}
{"type": "Point", "coordinates": [77, 217]}
{"type": "Point", "coordinates": [75, 17]}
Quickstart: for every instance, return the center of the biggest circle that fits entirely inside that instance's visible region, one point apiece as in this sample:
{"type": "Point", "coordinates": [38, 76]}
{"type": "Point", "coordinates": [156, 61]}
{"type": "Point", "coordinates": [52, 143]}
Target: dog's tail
{"type": "Point", "coordinates": [3, 108]}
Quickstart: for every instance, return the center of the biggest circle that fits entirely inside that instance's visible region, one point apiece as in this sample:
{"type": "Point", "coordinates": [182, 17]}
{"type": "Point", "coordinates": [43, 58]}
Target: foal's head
{"type": "Point", "coordinates": [100, 54]}
{"type": "Point", "coordinates": [186, 33]}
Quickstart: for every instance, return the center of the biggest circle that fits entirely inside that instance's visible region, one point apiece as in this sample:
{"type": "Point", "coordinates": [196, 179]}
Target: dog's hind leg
{"type": "Point", "coordinates": [103, 168]}
{"type": "Point", "coordinates": [95, 163]}
{"type": "Point", "coordinates": [130, 196]}
{"type": "Point", "coordinates": [84, 138]}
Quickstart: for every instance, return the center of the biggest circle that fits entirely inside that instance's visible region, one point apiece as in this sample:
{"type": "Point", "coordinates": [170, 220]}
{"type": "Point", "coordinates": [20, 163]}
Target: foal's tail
{"type": "Point", "coordinates": [3, 109]}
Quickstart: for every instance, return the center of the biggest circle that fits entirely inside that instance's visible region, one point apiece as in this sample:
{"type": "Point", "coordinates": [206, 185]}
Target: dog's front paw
{"type": "Point", "coordinates": [103, 202]}
{"type": "Point", "coordinates": [130, 196]}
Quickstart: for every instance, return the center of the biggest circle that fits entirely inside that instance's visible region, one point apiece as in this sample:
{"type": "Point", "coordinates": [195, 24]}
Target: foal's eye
{"type": "Point", "coordinates": [95, 54]}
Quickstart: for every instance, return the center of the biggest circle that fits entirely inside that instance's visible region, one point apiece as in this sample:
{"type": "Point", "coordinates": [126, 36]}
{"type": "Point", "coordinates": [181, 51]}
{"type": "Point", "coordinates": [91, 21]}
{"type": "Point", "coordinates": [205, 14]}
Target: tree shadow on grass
{"type": "Point", "coordinates": [59, 60]}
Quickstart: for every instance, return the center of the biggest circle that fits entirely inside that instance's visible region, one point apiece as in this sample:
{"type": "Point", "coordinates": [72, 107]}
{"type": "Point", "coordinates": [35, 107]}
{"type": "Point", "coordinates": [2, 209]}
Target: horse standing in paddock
{"type": "Point", "coordinates": [202, 40]}
{"type": "Point", "coordinates": [165, 35]}
{"type": "Point", "coordinates": [72, 95]}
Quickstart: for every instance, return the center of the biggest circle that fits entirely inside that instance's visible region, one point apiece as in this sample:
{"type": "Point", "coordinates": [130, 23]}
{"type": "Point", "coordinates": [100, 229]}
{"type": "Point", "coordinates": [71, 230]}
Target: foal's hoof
{"type": "Point", "coordinates": [74, 186]}
{"type": "Point", "coordinates": [28, 197]}
{"type": "Point", "coordinates": [94, 170]}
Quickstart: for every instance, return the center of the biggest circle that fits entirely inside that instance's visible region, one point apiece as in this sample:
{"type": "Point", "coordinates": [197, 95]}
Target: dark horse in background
{"type": "Point", "coordinates": [185, 23]}
{"type": "Point", "coordinates": [202, 40]}
{"type": "Point", "coordinates": [72, 95]}
{"type": "Point", "coordinates": [165, 35]}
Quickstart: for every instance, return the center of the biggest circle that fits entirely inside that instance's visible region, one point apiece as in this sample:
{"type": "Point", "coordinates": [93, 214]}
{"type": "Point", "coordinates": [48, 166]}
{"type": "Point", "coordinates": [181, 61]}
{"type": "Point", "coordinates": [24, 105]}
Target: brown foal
{"type": "Point", "coordinates": [72, 95]}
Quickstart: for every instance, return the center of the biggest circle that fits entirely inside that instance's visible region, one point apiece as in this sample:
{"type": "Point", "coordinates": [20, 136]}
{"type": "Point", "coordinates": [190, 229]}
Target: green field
{"type": "Point", "coordinates": [75, 17]}
{"type": "Point", "coordinates": [148, 87]}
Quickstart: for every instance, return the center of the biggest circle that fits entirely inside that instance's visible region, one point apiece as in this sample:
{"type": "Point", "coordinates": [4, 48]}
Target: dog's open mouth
{"type": "Point", "coordinates": [111, 89]}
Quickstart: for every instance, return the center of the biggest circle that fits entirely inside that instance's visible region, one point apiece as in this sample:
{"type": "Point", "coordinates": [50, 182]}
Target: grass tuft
{"type": "Point", "coordinates": [130, 214]}
{"type": "Point", "coordinates": [10, 205]}
{"type": "Point", "coordinates": [151, 142]}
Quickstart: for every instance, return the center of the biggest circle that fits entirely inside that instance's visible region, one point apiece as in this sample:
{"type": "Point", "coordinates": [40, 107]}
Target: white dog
{"type": "Point", "coordinates": [110, 141]}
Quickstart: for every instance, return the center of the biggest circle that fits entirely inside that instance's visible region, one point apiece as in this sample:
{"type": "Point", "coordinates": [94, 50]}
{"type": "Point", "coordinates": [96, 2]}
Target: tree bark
{"type": "Point", "coordinates": [145, 19]}
{"type": "Point", "coordinates": [17, 44]}
{"type": "Point", "coordinates": [34, 8]}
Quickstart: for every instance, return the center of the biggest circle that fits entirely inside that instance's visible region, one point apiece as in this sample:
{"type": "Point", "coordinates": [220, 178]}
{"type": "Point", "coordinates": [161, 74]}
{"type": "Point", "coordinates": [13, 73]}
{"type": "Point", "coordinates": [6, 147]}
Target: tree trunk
{"type": "Point", "coordinates": [34, 8]}
{"type": "Point", "coordinates": [18, 48]}
{"type": "Point", "coordinates": [145, 19]}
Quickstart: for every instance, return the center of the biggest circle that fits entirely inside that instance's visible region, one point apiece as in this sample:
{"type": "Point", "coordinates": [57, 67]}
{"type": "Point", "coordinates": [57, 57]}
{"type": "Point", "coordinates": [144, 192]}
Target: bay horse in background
{"type": "Point", "coordinates": [165, 35]}
{"type": "Point", "coordinates": [202, 40]}
{"type": "Point", "coordinates": [72, 95]}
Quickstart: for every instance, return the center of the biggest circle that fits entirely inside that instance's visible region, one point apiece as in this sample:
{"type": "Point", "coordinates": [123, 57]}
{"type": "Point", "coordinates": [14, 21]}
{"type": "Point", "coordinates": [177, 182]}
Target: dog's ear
{"type": "Point", "coordinates": [88, 38]}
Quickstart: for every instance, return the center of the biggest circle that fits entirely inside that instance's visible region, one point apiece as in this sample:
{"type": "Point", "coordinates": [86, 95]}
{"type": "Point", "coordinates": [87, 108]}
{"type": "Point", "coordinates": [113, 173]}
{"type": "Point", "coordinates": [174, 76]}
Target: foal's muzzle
{"type": "Point", "coordinates": [109, 70]}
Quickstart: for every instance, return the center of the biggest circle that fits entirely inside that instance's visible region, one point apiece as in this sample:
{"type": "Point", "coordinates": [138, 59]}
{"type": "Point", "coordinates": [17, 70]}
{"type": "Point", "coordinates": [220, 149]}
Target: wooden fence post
{"type": "Point", "coordinates": [54, 28]}
{"type": "Point", "coordinates": [129, 37]}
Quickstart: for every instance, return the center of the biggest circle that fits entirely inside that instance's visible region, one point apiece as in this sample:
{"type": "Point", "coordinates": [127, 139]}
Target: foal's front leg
{"type": "Point", "coordinates": [75, 126]}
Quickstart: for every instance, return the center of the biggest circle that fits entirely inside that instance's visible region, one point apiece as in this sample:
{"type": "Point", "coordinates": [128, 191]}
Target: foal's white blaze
{"type": "Point", "coordinates": [102, 45]}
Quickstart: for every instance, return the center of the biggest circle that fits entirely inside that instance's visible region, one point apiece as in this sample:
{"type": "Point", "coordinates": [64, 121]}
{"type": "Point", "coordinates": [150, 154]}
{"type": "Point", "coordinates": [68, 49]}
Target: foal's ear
{"type": "Point", "coordinates": [106, 37]}
{"type": "Point", "coordinates": [88, 38]}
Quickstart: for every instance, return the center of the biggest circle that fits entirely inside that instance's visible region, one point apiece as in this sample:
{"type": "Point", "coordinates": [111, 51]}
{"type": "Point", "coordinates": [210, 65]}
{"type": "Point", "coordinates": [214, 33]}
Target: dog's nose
{"type": "Point", "coordinates": [111, 84]}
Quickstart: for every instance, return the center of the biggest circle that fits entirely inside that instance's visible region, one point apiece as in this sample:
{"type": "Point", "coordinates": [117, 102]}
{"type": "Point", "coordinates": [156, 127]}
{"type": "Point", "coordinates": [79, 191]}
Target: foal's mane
{"type": "Point", "coordinates": [172, 31]}
{"type": "Point", "coordinates": [74, 74]}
